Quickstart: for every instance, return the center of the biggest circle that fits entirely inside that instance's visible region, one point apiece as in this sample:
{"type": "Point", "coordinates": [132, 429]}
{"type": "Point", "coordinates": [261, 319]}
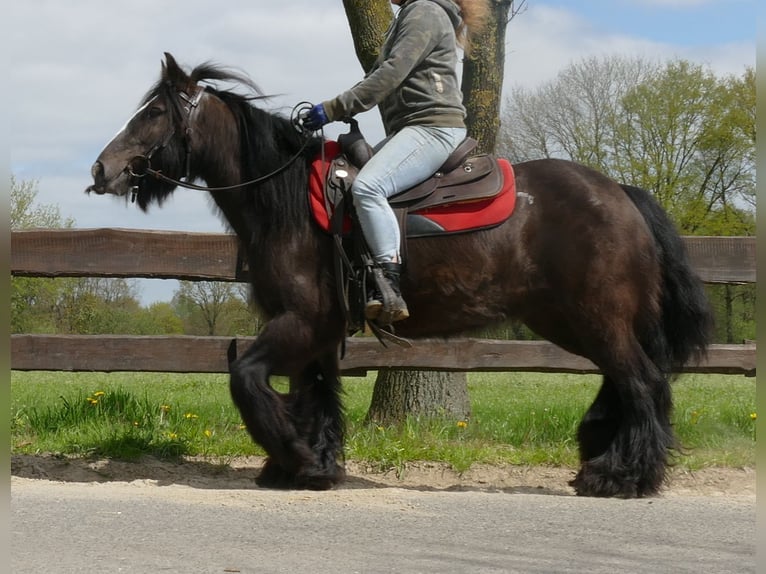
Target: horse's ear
{"type": "Point", "coordinates": [172, 71]}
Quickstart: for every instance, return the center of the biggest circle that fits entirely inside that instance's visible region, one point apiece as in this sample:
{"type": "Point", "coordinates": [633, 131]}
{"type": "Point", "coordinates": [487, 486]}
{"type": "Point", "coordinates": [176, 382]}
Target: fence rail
{"type": "Point", "coordinates": [189, 354]}
{"type": "Point", "coordinates": [213, 256]}
{"type": "Point", "coordinates": [206, 256]}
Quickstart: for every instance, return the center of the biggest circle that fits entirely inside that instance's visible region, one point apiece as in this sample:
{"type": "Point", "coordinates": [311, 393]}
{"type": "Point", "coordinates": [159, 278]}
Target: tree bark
{"type": "Point", "coordinates": [423, 394]}
{"type": "Point", "coordinates": [368, 21]}
{"type": "Point", "coordinates": [483, 74]}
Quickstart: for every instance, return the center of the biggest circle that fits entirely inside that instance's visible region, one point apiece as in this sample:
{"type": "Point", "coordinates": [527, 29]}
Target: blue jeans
{"type": "Point", "coordinates": [401, 161]}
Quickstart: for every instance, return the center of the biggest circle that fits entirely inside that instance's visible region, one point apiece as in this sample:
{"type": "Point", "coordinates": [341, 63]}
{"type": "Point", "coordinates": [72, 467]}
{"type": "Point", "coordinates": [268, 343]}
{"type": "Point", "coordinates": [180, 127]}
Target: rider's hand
{"type": "Point", "coordinates": [315, 118]}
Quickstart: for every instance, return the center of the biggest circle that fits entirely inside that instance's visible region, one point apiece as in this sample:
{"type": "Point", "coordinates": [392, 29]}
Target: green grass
{"type": "Point", "coordinates": [528, 419]}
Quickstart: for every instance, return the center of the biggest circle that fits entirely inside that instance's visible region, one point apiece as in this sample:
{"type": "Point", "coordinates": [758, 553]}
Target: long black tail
{"type": "Point", "coordinates": [687, 321]}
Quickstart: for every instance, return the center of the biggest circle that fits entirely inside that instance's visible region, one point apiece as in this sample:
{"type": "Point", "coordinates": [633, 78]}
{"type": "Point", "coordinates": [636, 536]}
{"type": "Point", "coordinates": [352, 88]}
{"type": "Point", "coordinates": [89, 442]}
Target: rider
{"type": "Point", "coordinates": [414, 82]}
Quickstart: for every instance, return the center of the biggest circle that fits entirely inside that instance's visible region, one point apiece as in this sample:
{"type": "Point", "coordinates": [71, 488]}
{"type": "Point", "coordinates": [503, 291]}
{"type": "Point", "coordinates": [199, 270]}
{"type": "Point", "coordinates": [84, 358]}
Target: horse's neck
{"type": "Point", "coordinates": [229, 161]}
{"type": "Point", "coordinates": [218, 151]}
{"type": "Point", "coordinates": [233, 212]}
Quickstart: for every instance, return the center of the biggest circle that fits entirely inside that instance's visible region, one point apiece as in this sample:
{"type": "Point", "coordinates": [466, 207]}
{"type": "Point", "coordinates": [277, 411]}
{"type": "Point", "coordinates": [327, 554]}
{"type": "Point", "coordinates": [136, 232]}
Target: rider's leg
{"type": "Point", "coordinates": [402, 161]}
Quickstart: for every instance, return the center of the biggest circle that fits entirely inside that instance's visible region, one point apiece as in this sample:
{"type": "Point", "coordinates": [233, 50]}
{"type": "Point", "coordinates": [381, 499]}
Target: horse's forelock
{"type": "Point", "coordinates": [209, 72]}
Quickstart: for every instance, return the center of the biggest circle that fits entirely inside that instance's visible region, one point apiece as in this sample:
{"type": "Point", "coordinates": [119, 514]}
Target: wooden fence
{"type": "Point", "coordinates": [214, 257]}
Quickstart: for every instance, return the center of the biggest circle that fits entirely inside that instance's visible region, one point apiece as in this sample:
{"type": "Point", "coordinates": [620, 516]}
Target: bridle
{"type": "Point", "coordinates": [185, 108]}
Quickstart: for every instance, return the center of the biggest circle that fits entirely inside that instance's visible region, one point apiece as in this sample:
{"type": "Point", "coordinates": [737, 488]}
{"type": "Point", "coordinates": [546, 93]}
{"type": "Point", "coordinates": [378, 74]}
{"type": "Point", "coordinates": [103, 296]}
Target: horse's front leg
{"type": "Point", "coordinates": [317, 412]}
{"type": "Point", "coordinates": [286, 346]}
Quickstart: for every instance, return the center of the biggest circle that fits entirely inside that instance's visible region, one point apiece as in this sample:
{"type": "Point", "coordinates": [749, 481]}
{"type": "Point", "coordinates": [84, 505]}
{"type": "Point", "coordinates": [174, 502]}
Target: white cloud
{"type": "Point", "coordinates": [543, 40]}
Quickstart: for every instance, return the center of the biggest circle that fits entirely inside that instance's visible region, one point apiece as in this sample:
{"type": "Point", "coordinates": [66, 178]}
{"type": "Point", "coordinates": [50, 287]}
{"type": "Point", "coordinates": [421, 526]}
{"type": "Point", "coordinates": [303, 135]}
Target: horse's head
{"type": "Point", "coordinates": [157, 137]}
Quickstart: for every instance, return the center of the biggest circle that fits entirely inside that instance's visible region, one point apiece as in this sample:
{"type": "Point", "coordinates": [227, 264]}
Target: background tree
{"type": "Point", "coordinates": [26, 212]}
{"type": "Point", "coordinates": [398, 394]}
{"type": "Point", "coordinates": [93, 305]}
{"type": "Point", "coordinates": [32, 299]}
{"type": "Point", "coordinates": [74, 305]}
{"type": "Point", "coordinates": [675, 129]}
{"type": "Point", "coordinates": [573, 116]}
{"type": "Point", "coordinates": [159, 318]}
{"type": "Point", "coordinates": [214, 308]}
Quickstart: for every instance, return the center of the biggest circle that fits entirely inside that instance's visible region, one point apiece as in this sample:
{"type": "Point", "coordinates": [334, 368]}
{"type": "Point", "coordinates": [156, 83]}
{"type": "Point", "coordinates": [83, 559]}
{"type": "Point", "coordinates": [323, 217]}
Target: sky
{"type": "Point", "coordinates": [77, 71]}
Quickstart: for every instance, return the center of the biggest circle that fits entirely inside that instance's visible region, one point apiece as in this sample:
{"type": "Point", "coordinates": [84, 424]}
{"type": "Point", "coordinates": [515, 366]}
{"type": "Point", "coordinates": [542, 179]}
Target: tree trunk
{"type": "Point", "coordinates": [368, 21]}
{"type": "Point", "coordinates": [483, 74]}
{"type": "Point", "coordinates": [399, 394]}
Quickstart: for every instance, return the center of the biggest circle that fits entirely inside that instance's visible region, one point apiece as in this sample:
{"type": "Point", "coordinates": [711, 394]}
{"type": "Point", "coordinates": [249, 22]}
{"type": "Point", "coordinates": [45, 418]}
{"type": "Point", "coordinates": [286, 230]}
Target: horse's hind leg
{"type": "Point", "coordinates": [625, 437]}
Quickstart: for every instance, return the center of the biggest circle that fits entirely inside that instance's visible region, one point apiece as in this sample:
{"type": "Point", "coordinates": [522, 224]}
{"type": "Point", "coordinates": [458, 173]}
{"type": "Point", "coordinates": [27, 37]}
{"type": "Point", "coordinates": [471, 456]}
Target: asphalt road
{"type": "Point", "coordinates": [144, 527]}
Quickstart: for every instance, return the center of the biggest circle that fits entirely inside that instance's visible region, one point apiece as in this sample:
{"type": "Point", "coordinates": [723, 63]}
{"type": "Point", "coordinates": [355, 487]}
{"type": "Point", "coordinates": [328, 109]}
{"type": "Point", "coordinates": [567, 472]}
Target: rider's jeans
{"type": "Point", "coordinates": [401, 161]}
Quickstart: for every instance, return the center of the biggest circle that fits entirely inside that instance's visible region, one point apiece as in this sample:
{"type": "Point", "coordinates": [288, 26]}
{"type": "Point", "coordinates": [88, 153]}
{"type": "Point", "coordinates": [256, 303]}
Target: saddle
{"type": "Point", "coordinates": [462, 178]}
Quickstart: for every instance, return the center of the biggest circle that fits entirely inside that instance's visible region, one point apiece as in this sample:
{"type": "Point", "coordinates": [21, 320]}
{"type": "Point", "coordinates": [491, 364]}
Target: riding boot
{"type": "Point", "coordinates": [385, 303]}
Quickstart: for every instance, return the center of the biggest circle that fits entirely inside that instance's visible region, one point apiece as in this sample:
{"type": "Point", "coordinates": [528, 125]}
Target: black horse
{"type": "Point", "coordinates": [593, 266]}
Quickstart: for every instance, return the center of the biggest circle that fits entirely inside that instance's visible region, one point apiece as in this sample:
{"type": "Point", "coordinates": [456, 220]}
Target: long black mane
{"type": "Point", "coordinates": [267, 141]}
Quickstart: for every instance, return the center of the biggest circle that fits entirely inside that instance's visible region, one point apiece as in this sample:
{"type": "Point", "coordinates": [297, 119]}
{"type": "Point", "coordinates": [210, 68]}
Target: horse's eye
{"type": "Point", "coordinates": [155, 111]}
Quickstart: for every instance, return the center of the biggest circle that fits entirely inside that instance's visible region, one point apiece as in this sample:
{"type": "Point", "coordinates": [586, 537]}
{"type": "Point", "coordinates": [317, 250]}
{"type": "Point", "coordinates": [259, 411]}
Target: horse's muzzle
{"type": "Point", "coordinates": [99, 179]}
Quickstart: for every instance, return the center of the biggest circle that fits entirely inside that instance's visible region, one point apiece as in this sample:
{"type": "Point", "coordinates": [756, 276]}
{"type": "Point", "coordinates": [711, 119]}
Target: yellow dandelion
{"type": "Point", "coordinates": [172, 436]}
{"type": "Point", "coordinates": [99, 394]}
{"type": "Point", "coordinates": [462, 424]}
{"type": "Point", "coordinates": [694, 417]}
{"type": "Point", "coordinates": [190, 416]}
{"type": "Point", "coordinates": [242, 427]}
{"type": "Point", "coordinates": [165, 408]}
{"type": "Point", "coordinates": [753, 416]}
{"type": "Point", "coordinates": [208, 433]}
{"type": "Point", "coordinates": [92, 401]}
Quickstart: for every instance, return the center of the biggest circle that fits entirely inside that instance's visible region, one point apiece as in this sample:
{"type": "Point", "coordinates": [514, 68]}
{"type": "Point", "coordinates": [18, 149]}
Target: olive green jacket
{"type": "Point", "coordinates": [414, 81]}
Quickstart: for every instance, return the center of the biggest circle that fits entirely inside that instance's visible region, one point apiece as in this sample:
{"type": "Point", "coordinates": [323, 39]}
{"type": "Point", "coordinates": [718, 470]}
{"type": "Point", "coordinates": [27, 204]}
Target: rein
{"type": "Point", "coordinates": [140, 166]}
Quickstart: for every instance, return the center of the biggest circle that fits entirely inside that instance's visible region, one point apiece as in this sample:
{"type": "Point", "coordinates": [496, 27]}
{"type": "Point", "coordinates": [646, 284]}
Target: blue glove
{"type": "Point", "coordinates": [315, 118]}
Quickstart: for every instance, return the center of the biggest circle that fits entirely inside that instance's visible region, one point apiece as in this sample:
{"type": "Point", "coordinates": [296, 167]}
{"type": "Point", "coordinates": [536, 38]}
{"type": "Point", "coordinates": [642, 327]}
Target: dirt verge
{"type": "Point", "coordinates": [240, 473]}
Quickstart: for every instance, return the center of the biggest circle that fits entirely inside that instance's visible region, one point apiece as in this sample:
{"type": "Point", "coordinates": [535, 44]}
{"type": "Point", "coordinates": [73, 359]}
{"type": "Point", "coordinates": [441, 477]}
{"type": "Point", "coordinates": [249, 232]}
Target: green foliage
{"type": "Point", "coordinates": [26, 213]}
{"type": "Point", "coordinates": [734, 310]}
{"type": "Point", "coordinates": [522, 418]}
{"type": "Point", "coordinates": [685, 137]}
{"type": "Point", "coordinates": [159, 318]}
{"type": "Point", "coordinates": [215, 308]}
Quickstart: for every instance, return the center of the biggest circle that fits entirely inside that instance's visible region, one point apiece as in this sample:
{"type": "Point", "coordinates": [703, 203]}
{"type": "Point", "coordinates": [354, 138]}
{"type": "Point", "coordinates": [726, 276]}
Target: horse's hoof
{"type": "Point", "coordinates": [274, 476]}
{"type": "Point", "coordinates": [320, 479]}
{"type": "Point", "coordinates": [589, 482]}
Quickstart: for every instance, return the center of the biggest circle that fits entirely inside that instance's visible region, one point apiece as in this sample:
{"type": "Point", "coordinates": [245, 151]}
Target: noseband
{"type": "Point", "coordinates": [140, 166]}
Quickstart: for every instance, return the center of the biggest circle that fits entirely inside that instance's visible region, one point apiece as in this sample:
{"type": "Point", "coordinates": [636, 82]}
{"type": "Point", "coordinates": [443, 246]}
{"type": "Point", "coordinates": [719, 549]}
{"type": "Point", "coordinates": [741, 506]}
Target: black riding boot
{"type": "Point", "coordinates": [385, 304]}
